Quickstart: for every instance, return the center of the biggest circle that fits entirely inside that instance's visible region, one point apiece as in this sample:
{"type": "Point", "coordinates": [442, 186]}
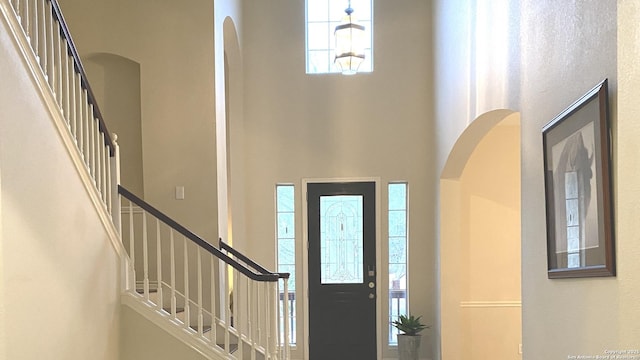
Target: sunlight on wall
{"type": "Point", "coordinates": [480, 244]}
{"type": "Point", "coordinates": [491, 52]}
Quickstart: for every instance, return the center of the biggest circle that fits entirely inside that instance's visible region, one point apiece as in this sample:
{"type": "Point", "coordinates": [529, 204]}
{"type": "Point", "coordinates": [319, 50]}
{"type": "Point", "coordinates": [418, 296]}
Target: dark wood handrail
{"type": "Point", "coordinates": [262, 277]}
{"type": "Point", "coordinates": [224, 246]}
{"type": "Point", "coordinates": [71, 49]}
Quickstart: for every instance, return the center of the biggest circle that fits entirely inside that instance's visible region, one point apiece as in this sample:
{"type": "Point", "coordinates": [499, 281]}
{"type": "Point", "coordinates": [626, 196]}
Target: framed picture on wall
{"type": "Point", "coordinates": [577, 178]}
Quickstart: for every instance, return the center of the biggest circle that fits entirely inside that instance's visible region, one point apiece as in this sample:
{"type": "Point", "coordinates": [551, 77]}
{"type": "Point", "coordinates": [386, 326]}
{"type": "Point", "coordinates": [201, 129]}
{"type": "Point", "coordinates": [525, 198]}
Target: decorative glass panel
{"type": "Point", "coordinates": [397, 216]}
{"type": "Point", "coordinates": [286, 239]}
{"type": "Point", "coordinates": [398, 251]}
{"type": "Point", "coordinates": [341, 239]}
{"type": "Point", "coordinates": [398, 223]}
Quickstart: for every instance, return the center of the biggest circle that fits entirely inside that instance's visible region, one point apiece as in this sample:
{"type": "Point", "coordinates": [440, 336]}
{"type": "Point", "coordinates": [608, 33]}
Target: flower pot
{"type": "Point", "coordinates": [408, 346]}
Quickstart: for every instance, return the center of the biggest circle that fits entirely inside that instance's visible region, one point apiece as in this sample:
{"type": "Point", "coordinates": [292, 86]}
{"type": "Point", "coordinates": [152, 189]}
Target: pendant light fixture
{"type": "Point", "coordinates": [349, 44]}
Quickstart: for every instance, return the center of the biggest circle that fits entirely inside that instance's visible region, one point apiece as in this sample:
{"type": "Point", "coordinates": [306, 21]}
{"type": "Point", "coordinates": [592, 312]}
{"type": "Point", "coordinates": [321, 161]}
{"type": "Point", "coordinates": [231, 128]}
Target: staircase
{"type": "Point", "coordinates": [213, 299]}
{"type": "Point", "coordinates": [226, 302]}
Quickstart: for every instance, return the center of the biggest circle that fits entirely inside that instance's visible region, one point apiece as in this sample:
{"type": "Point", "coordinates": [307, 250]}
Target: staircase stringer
{"type": "Point", "coordinates": [176, 329]}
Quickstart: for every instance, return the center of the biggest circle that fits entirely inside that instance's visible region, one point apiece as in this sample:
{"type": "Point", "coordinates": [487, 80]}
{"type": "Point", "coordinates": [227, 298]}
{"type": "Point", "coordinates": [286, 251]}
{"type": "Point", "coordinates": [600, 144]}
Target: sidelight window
{"type": "Point", "coordinates": [285, 218]}
{"type": "Point", "coordinates": [398, 304]}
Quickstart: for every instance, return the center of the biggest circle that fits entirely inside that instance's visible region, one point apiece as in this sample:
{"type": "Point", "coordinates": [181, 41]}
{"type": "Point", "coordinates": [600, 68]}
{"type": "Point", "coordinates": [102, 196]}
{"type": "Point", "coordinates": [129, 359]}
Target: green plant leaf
{"type": "Point", "coordinates": [409, 325]}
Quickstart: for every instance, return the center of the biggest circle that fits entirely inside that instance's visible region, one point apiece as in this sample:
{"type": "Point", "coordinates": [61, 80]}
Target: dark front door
{"type": "Point", "coordinates": [342, 273]}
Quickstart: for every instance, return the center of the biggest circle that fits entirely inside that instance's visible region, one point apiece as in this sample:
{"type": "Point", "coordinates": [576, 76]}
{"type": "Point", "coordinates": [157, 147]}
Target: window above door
{"type": "Point", "coordinates": [322, 17]}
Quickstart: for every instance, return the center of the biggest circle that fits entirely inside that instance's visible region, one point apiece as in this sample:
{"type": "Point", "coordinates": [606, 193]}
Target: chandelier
{"type": "Point", "coordinates": [349, 43]}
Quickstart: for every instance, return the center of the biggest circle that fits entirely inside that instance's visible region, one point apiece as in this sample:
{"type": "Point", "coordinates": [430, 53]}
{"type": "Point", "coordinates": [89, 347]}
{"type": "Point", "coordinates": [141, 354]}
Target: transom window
{"type": "Point", "coordinates": [322, 18]}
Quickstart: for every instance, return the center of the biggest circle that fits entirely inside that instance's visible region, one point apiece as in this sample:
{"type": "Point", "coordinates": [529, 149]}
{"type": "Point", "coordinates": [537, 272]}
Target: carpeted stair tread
{"type": "Point", "coordinates": [232, 347]}
{"type": "Point", "coordinates": [205, 328]}
{"type": "Point", "coordinates": [141, 291]}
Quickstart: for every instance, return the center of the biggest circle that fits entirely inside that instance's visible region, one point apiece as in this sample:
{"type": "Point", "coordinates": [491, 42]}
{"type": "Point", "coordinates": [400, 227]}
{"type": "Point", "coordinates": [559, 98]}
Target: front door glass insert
{"type": "Point", "coordinates": [341, 239]}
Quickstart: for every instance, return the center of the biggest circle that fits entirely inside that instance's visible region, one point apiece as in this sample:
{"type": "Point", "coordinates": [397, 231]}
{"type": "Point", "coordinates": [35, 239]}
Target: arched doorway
{"type": "Point", "coordinates": [480, 241]}
{"type": "Point", "coordinates": [115, 81]}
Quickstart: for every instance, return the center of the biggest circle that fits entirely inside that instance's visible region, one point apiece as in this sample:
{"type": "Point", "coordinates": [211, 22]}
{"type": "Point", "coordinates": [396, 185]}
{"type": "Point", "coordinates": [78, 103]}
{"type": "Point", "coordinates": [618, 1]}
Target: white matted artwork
{"type": "Point", "coordinates": [578, 189]}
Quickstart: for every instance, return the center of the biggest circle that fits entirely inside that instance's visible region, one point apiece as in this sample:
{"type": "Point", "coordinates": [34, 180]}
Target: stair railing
{"type": "Point", "coordinates": [54, 60]}
{"type": "Point", "coordinates": [229, 305]}
{"type": "Point", "coordinates": [284, 314]}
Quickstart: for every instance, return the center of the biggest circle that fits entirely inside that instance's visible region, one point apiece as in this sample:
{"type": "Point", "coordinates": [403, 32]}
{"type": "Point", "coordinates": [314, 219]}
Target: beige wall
{"type": "Point", "coordinates": [144, 340]}
{"type": "Point", "coordinates": [300, 126]}
{"type": "Point", "coordinates": [476, 64]}
{"type": "Point", "coordinates": [565, 49]}
{"type": "Point", "coordinates": [560, 62]}
{"type": "Point", "coordinates": [628, 170]}
{"type": "Point", "coordinates": [60, 272]}
{"type": "Point", "coordinates": [491, 199]}
{"type": "Point", "coordinates": [532, 56]}
{"type": "Point", "coordinates": [115, 81]}
{"type": "Point", "coordinates": [173, 44]}
{"type": "Point", "coordinates": [480, 244]}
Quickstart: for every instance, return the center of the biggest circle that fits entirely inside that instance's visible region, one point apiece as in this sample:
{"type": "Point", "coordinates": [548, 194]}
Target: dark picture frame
{"type": "Point", "coordinates": [577, 178]}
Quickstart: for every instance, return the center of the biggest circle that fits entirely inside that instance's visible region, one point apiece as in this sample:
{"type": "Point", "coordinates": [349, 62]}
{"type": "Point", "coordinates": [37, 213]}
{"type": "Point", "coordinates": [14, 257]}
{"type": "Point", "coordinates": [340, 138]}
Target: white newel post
{"type": "Point", "coordinates": [273, 302]}
{"type": "Point", "coordinates": [114, 178]}
{"type": "Point", "coordinates": [285, 318]}
{"type": "Point", "coordinates": [127, 278]}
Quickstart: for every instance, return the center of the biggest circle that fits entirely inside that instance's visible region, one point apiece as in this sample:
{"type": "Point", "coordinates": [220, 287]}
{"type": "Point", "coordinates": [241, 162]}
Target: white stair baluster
{"type": "Point", "coordinates": [213, 300]}
{"type": "Point", "coordinates": [145, 256]}
{"type": "Point", "coordinates": [113, 180]}
{"type": "Point", "coordinates": [93, 132]}
{"type": "Point", "coordinates": [110, 185]}
{"type": "Point", "coordinates": [200, 316]}
{"type": "Point", "coordinates": [104, 159]}
{"type": "Point", "coordinates": [259, 300]}
{"type": "Point", "coordinates": [87, 129]}
{"type": "Point", "coordinates": [41, 18]}
{"type": "Point", "coordinates": [98, 155]}
{"type": "Point", "coordinates": [50, 31]}
{"type": "Point", "coordinates": [273, 310]}
{"type": "Point", "coordinates": [32, 17]}
{"type": "Point", "coordinates": [159, 265]}
{"type": "Point", "coordinates": [286, 318]}
{"type": "Point", "coordinates": [237, 315]}
{"type": "Point", "coordinates": [251, 302]}
{"type": "Point", "coordinates": [227, 307]}
{"type": "Point", "coordinates": [132, 247]}
{"type": "Point", "coordinates": [73, 108]}
{"type": "Point", "coordinates": [79, 105]}
{"type": "Point", "coordinates": [41, 34]}
{"type": "Point", "coordinates": [27, 21]}
{"type": "Point", "coordinates": [58, 63]}
{"type": "Point", "coordinates": [68, 89]}
{"type": "Point", "coordinates": [187, 312]}
{"type": "Point", "coordinates": [173, 273]}
{"type": "Point", "coordinates": [16, 7]}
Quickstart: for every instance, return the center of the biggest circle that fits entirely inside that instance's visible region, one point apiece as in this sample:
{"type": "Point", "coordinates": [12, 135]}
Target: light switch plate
{"type": "Point", "coordinates": [179, 192]}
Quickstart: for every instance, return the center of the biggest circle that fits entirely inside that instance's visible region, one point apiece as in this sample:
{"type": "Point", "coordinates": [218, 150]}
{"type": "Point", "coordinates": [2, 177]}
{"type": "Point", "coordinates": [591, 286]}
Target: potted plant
{"type": "Point", "coordinates": [409, 340]}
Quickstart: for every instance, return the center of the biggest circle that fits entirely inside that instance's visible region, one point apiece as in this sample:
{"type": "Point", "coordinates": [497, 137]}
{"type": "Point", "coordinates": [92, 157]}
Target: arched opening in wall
{"type": "Point", "coordinates": [480, 241]}
{"type": "Point", "coordinates": [234, 135]}
{"type": "Point", "coordinates": [115, 81]}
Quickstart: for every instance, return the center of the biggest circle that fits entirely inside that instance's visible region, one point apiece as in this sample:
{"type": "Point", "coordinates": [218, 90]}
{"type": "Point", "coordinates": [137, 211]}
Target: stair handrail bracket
{"type": "Point", "coordinates": [221, 297]}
